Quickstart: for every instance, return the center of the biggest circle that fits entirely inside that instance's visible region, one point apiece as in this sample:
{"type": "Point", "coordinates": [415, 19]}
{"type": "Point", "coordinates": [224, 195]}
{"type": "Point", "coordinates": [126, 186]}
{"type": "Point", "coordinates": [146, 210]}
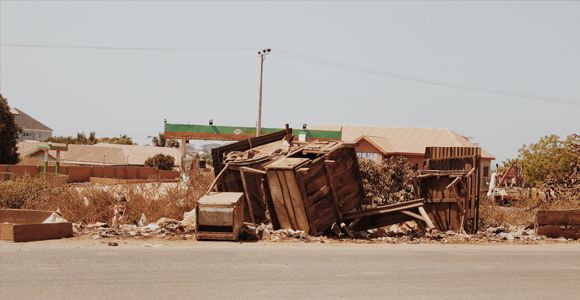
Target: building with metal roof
{"type": "Point", "coordinates": [33, 129]}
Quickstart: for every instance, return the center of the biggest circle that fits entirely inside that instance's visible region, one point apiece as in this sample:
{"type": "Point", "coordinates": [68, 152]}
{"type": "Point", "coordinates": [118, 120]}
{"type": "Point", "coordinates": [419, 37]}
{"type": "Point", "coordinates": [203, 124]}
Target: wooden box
{"type": "Point", "coordinates": [220, 216]}
{"type": "Point", "coordinates": [21, 225]}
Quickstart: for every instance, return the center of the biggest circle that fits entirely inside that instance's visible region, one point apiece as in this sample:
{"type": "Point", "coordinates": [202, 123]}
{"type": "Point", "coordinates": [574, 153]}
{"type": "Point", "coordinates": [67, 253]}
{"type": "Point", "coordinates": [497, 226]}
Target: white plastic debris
{"type": "Point", "coordinates": [55, 218]}
{"type": "Point", "coordinates": [86, 201]}
{"type": "Point", "coordinates": [189, 218]}
{"type": "Point", "coordinates": [142, 221]}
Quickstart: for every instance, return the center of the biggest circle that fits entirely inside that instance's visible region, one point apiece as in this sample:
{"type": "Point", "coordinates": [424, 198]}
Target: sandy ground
{"type": "Point", "coordinates": [87, 268]}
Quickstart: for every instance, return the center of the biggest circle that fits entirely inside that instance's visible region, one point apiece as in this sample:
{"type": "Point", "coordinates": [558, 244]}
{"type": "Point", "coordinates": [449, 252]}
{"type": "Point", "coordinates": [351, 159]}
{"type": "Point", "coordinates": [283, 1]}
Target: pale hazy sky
{"type": "Point", "coordinates": [523, 47]}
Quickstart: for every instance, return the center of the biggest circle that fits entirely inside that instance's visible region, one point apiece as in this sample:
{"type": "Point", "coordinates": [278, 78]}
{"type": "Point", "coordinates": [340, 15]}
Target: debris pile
{"type": "Point", "coordinates": [163, 228]}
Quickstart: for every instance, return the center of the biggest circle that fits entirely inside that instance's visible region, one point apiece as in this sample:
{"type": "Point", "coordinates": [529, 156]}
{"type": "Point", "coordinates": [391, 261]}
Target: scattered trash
{"type": "Point", "coordinates": [113, 244]}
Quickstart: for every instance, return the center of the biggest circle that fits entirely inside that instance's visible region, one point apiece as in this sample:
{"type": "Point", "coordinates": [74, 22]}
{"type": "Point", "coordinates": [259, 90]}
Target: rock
{"type": "Point", "coordinates": [142, 221]}
{"type": "Point", "coordinates": [113, 244]}
{"type": "Point", "coordinates": [146, 245]}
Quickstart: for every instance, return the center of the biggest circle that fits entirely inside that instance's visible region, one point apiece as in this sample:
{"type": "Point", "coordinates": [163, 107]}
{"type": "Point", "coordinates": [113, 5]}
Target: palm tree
{"type": "Point", "coordinates": [161, 141]}
{"type": "Point", "coordinates": [158, 142]}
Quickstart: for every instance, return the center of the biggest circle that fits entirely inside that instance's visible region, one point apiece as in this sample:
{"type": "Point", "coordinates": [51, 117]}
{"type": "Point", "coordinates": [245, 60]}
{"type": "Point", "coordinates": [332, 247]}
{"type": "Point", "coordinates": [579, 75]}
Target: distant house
{"type": "Point", "coordinates": [378, 143]}
{"type": "Point", "coordinates": [33, 129]}
{"type": "Point", "coordinates": [101, 154]}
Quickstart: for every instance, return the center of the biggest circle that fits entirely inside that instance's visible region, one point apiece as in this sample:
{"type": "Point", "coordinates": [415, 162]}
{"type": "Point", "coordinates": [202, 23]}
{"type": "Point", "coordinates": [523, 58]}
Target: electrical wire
{"type": "Point", "coordinates": [329, 63]}
{"type": "Point", "coordinates": [137, 48]}
{"type": "Point", "coordinates": [323, 62]}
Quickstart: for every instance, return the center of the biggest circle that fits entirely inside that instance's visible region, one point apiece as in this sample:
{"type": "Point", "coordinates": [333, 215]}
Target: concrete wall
{"type": "Point", "coordinates": [84, 174]}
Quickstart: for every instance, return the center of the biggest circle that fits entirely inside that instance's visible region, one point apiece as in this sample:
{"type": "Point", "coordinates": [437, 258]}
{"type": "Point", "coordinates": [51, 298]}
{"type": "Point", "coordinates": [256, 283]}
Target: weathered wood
{"type": "Point", "coordinates": [426, 217]}
{"type": "Point", "coordinates": [278, 200]}
{"type": "Point", "coordinates": [333, 192]}
{"type": "Point", "coordinates": [250, 170]}
{"type": "Point", "coordinates": [558, 217]}
{"type": "Point", "coordinates": [383, 209]}
{"type": "Point", "coordinates": [287, 199]}
{"type": "Point", "coordinates": [555, 231]}
{"type": "Point", "coordinates": [306, 201]}
{"type": "Point", "coordinates": [336, 229]}
{"type": "Point", "coordinates": [346, 229]}
{"type": "Point", "coordinates": [216, 180]}
{"type": "Point", "coordinates": [248, 199]}
{"type": "Point", "coordinates": [323, 192]}
{"type": "Point", "coordinates": [39, 232]}
{"type": "Point", "coordinates": [353, 223]}
{"type": "Point", "coordinates": [297, 203]}
{"type": "Point", "coordinates": [414, 215]}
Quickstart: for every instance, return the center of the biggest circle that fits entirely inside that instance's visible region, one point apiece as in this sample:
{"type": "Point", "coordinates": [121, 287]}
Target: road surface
{"type": "Point", "coordinates": [87, 269]}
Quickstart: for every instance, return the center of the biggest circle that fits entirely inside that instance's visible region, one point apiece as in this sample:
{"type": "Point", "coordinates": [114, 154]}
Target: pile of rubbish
{"type": "Point", "coordinates": [567, 185]}
{"type": "Point", "coordinates": [163, 228]}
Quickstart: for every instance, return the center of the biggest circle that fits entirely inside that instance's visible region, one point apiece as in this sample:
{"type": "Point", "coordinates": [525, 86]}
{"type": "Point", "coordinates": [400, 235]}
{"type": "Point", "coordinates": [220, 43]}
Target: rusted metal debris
{"type": "Point", "coordinates": [304, 186]}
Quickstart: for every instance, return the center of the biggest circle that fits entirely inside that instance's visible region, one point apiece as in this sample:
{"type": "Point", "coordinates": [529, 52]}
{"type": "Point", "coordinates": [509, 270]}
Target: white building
{"type": "Point", "coordinates": [33, 129]}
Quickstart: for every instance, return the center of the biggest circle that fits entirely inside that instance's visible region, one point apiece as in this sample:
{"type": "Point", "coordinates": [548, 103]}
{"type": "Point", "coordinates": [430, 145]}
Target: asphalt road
{"type": "Point", "coordinates": [225, 270]}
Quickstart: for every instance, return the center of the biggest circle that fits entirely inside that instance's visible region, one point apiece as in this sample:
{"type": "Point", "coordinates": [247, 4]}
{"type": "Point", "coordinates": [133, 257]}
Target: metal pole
{"type": "Point", "coordinates": [259, 127]}
{"type": "Point", "coordinates": [45, 161]}
{"type": "Point", "coordinates": [57, 161]}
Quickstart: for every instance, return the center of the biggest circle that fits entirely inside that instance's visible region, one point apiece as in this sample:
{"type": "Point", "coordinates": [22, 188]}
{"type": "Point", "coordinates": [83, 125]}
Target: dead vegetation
{"type": "Point", "coordinates": [91, 203]}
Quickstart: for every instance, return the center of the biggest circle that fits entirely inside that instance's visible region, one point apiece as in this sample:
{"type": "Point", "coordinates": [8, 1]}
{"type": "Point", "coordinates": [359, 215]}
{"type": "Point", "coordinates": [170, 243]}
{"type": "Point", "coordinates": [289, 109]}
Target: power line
{"type": "Point", "coordinates": [329, 63]}
{"type": "Point", "coordinates": [323, 62]}
{"type": "Point", "coordinates": [137, 48]}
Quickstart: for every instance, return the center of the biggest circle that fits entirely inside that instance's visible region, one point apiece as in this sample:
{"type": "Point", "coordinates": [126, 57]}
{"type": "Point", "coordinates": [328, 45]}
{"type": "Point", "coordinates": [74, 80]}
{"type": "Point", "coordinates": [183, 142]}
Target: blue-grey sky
{"type": "Point", "coordinates": [523, 47]}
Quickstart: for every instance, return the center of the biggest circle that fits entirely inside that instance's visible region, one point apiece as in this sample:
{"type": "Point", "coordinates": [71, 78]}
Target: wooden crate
{"type": "Point", "coordinates": [311, 195]}
{"type": "Point", "coordinates": [21, 225]}
{"type": "Point", "coordinates": [220, 216]}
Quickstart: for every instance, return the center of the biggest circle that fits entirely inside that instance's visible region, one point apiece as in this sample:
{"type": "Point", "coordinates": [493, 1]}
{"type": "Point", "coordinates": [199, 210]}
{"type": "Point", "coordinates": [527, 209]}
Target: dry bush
{"type": "Point", "coordinates": [520, 212]}
{"type": "Point", "coordinates": [386, 182]}
{"type": "Point", "coordinates": [154, 199]}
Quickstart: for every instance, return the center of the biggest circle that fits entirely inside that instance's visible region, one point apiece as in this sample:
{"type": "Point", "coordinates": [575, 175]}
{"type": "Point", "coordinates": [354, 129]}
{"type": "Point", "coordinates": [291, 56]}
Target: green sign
{"type": "Point", "coordinates": [230, 133]}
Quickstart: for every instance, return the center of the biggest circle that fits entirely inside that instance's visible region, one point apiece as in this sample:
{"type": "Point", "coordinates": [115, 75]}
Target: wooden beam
{"type": "Point", "coordinates": [353, 223]}
{"type": "Point", "coordinates": [216, 180]}
{"type": "Point", "coordinates": [250, 170]}
{"type": "Point", "coordinates": [346, 229]}
{"type": "Point", "coordinates": [248, 200]}
{"type": "Point", "coordinates": [426, 217]}
{"type": "Point", "coordinates": [383, 209]}
{"type": "Point", "coordinates": [330, 180]}
{"type": "Point", "coordinates": [414, 215]}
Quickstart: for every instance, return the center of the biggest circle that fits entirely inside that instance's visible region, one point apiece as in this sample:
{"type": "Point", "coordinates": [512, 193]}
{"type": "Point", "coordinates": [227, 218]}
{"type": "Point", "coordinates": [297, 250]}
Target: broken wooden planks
{"type": "Point", "coordinates": [388, 215]}
{"type": "Point", "coordinates": [558, 223]}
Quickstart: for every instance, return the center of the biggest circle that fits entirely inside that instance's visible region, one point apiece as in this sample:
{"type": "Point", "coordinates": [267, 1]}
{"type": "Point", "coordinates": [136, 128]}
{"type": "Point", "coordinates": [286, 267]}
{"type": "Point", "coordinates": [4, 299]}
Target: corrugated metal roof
{"type": "Point", "coordinates": [108, 154]}
{"type": "Point", "coordinates": [27, 122]}
{"type": "Point", "coordinates": [403, 140]}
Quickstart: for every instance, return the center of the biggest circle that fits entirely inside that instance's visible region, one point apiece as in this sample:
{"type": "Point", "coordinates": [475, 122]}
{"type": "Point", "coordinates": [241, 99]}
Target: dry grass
{"type": "Point", "coordinates": [520, 212]}
{"type": "Point", "coordinates": [155, 200]}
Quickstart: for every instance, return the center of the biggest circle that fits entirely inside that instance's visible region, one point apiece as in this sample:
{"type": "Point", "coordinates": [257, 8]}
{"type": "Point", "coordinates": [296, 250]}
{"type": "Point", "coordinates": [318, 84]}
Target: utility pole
{"type": "Point", "coordinates": [262, 54]}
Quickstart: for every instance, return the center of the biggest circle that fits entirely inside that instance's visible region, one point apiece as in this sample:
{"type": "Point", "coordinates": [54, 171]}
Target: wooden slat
{"type": "Point", "coordinates": [333, 192]}
{"type": "Point", "coordinates": [383, 209]}
{"type": "Point", "coordinates": [278, 200]}
{"type": "Point", "coordinates": [287, 199]}
{"type": "Point", "coordinates": [248, 199]}
{"type": "Point", "coordinates": [558, 217]}
{"type": "Point", "coordinates": [297, 204]}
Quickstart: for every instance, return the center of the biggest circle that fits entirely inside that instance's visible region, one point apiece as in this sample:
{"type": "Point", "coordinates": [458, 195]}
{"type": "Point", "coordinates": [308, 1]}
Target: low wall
{"type": "Point", "coordinates": [84, 174]}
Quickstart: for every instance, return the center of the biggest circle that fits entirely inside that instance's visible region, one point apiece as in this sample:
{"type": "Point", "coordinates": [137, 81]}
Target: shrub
{"type": "Point", "coordinates": [386, 182]}
{"type": "Point", "coordinates": [161, 161]}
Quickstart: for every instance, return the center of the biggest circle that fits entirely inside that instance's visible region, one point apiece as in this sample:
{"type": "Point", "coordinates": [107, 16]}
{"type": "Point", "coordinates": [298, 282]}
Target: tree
{"type": "Point", "coordinates": [546, 158]}
{"type": "Point", "coordinates": [385, 182]}
{"type": "Point", "coordinates": [81, 139]}
{"type": "Point", "coordinates": [161, 161]}
{"type": "Point", "coordinates": [9, 134]}
{"type": "Point", "coordinates": [161, 141]}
